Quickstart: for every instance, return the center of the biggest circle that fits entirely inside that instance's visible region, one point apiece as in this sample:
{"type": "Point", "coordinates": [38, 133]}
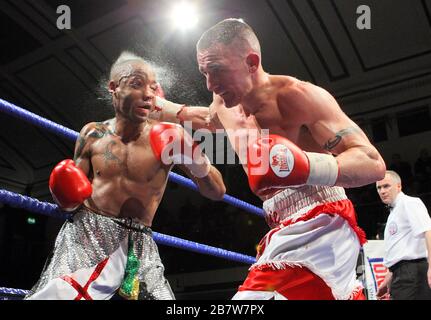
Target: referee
{"type": "Point", "coordinates": [407, 243]}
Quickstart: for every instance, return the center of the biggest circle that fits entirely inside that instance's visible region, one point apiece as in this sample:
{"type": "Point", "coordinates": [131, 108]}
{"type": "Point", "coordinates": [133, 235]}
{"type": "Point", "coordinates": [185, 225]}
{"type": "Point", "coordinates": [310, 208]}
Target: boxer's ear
{"type": "Point", "coordinates": [253, 61]}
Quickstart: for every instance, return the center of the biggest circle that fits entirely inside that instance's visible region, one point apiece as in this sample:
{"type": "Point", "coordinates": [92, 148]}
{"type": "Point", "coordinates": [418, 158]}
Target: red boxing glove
{"type": "Point", "coordinates": [69, 185]}
{"type": "Point", "coordinates": [171, 144]}
{"type": "Point", "coordinates": [276, 162]}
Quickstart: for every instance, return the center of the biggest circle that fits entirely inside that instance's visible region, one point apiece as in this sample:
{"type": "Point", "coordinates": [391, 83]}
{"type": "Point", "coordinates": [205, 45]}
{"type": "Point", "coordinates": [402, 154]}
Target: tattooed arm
{"type": "Point", "coordinates": [359, 161]}
{"type": "Point", "coordinates": [89, 133]}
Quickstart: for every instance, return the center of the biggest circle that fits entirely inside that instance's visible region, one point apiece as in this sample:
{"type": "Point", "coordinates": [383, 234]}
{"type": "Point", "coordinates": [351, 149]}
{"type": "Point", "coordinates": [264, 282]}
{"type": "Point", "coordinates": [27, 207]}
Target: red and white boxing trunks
{"type": "Point", "coordinates": [311, 251]}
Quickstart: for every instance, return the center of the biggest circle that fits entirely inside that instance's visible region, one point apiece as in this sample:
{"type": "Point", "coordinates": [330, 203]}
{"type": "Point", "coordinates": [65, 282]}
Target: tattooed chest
{"type": "Point", "coordinates": [113, 158]}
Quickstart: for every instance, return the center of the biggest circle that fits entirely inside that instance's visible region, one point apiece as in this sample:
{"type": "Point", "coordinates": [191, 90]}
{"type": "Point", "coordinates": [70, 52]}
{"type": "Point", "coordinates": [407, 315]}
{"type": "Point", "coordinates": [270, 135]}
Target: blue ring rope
{"type": "Point", "coordinates": [33, 205]}
{"type": "Point", "coordinates": [13, 292]}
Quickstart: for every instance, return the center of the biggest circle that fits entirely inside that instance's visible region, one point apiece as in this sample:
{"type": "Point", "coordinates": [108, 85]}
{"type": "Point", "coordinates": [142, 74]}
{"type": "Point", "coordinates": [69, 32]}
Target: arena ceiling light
{"type": "Point", "coordinates": [184, 16]}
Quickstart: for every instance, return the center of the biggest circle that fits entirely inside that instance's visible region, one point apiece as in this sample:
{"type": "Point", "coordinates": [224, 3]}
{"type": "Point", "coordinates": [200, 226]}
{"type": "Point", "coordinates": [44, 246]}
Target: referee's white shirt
{"type": "Point", "coordinates": [404, 232]}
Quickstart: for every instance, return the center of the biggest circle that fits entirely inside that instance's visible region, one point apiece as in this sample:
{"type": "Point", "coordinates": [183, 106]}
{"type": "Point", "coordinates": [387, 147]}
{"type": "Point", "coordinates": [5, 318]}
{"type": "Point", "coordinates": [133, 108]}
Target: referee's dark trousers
{"type": "Point", "coordinates": [409, 280]}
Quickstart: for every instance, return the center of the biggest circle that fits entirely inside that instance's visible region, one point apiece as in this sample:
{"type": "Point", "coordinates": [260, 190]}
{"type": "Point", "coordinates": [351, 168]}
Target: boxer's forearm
{"type": "Point", "coordinates": [212, 186]}
{"type": "Point", "coordinates": [360, 166]}
{"type": "Point", "coordinates": [199, 117]}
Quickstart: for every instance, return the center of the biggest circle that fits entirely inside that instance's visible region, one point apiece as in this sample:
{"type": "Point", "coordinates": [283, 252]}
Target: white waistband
{"type": "Point", "coordinates": [294, 202]}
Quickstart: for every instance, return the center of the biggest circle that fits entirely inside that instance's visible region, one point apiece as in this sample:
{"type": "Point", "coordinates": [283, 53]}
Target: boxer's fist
{"type": "Point", "coordinates": [69, 185]}
{"type": "Point", "coordinates": [276, 162]}
{"type": "Point", "coordinates": [171, 144]}
{"type": "Point", "coordinates": [166, 135]}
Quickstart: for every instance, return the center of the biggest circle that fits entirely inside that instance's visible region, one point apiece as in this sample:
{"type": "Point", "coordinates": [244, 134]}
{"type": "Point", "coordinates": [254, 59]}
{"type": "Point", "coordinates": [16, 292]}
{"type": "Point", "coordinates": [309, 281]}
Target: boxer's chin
{"type": "Point", "coordinates": [229, 105]}
{"type": "Point", "coordinates": [230, 100]}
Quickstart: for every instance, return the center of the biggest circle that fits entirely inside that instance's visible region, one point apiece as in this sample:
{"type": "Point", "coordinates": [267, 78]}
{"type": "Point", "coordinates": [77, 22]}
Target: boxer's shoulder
{"type": "Point", "coordinates": [286, 87]}
{"type": "Point", "coordinates": [305, 98]}
{"type": "Point", "coordinates": [96, 129]}
{"type": "Point", "coordinates": [292, 95]}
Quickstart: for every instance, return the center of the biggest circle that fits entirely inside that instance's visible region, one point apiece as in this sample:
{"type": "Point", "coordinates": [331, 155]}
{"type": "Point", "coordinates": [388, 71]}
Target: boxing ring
{"type": "Point", "coordinates": [33, 205]}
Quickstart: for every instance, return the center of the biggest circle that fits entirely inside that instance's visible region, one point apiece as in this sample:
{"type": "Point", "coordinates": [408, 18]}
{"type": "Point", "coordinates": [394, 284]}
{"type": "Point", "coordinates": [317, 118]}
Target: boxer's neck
{"type": "Point", "coordinates": [251, 102]}
{"type": "Point", "coordinates": [127, 130]}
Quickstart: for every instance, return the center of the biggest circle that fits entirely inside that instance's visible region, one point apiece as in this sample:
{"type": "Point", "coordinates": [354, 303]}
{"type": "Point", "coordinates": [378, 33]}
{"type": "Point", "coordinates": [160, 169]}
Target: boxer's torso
{"type": "Point", "coordinates": [127, 179]}
{"type": "Point", "coordinates": [286, 122]}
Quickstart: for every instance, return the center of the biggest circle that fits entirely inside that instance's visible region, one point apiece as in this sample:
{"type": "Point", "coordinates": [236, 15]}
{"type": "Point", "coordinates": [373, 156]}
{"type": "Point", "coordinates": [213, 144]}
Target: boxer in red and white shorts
{"type": "Point", "coordinates": [314, 150]}
{"type": "Point", "coordinates": [311, 250]}
{"type": "Point", "coordinates": [313, 246]}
